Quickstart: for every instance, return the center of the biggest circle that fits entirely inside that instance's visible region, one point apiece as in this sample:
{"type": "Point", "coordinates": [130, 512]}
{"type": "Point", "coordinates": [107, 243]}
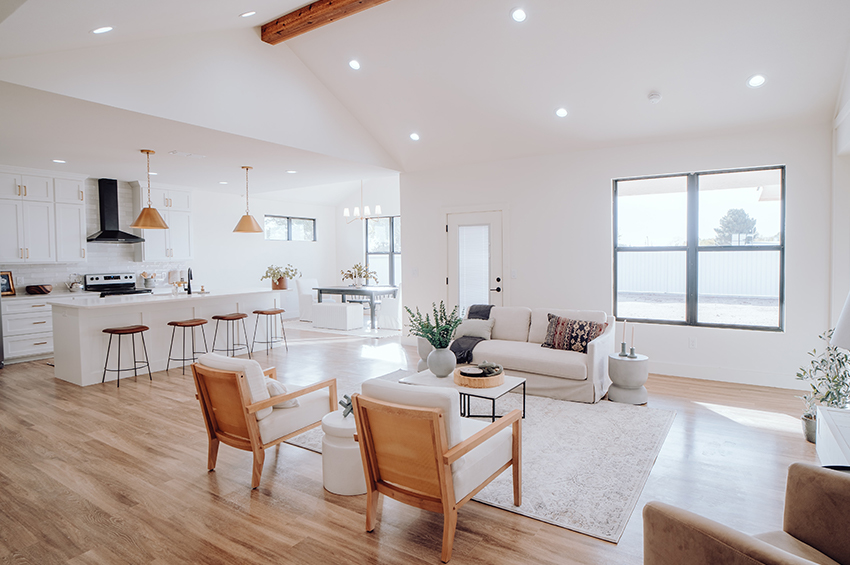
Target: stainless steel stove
{"type": "Point", "coordinates": [111, 284]}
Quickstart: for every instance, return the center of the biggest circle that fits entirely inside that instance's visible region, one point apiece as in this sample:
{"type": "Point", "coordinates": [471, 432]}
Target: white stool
{"type": "Point", "coordinates": [627, 379]}
{"type": "Point", "coordinates": [342, 467]}
{"type": "Point", "coordinates": [337, 316]}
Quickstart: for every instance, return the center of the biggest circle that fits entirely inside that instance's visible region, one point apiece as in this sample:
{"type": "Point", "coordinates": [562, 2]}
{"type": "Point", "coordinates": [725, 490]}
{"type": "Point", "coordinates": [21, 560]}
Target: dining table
{"type": "Point", "coordinates": [372, 292]}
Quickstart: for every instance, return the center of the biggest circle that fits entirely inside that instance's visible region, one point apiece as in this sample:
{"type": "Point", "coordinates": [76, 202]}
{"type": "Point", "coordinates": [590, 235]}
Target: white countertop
{"type": "Point", "coordinates": [87, 301]}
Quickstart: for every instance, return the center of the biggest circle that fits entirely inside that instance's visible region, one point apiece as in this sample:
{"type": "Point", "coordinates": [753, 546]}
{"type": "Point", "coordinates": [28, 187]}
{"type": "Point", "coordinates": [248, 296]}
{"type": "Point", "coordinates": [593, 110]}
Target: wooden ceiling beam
{"type": "Point", "coordinates": [317, 14]}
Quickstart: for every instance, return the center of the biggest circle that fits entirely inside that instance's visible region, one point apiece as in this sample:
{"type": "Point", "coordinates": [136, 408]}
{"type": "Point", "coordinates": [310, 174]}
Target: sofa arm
{"type": "Point", "coordinates": [817, 509]}
{"type": "Point", "coordinates": [597, 360]}
{"type": "Point", "coordinates": [672, 536]}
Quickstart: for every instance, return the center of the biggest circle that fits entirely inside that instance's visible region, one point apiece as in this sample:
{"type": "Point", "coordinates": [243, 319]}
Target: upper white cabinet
{"type": "Point", "coordinates": [175, 207]}
{"type": "Point", "coordinates": [32, 188]}
{"type": "Point", "coordinates": [42, 218]}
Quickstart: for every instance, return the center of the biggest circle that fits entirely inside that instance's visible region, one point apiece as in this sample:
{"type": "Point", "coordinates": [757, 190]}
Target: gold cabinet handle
{"type": "Point", "coordinates": [81, 196]}
{"type": "Point", "coordinates": [38, 305]}
{"type": "Point", "coordinates": [25, 190]}
{"type": "Point", "coordinates": [40, 343]}
{"type": "Point", "coordinates": [19, 190]}
{"type": "Point", "coordinates": [22, 252]}
{"type": "Point", "coordinates": [37, 323]}
{"type": "Point", "coordinates": [28, 252]}
{"type": "Point", "coordinates": [83, 252]}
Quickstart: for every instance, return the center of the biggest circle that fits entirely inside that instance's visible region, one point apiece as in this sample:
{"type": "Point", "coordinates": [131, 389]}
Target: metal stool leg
{"type": "Point", "coordinates": [135, 365]}
{"type": "Point", "coordinates": [206, 349]}
{"type": "Point", "coordinates": [254, 341]}
{"type": "Point", "coordinates": [215, 334]}
{"type": "Point", "coordinates": [170, 348]}
{"type": "Point", "coordinates": [118, 374]}
{"type": "Point", "coordinates": [147, 361]}
{"type": "Point", "coordinates": [269, 337]}
{"type": "Point", "coordinates": [106, 363]}
{"type": "Point", "coordinates": [245, 331]}
{"type": "Point", "coordinates": [183, 362]}
{"type": "Point", "coordinates": [283, 329]}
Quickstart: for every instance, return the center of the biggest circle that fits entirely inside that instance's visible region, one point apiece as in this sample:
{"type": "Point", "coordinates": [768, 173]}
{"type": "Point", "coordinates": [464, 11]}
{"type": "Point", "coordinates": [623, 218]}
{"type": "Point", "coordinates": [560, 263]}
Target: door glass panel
{"type": "Point", "coordinates": [473, 266]}
{"type": "Point", "coordinates": [739, 288]}
{"type": "Point", "coordinates": [652, 212]}
{"type": "Point", "coordinates": [651, 285]}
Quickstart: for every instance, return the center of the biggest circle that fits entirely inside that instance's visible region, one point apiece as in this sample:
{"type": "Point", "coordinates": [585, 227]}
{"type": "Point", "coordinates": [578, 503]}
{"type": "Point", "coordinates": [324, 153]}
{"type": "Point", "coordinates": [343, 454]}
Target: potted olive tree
{"type": "Point", "coordinates": [442, 360]}
{"type": "Point", "coordinates": [280, 276]}
{"type": "Point", "coordinates": [828, 375]}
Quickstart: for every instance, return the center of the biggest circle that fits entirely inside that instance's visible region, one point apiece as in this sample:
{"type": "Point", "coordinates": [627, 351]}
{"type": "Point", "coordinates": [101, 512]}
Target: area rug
{"type": "Point", "coordinates": [584, 465]}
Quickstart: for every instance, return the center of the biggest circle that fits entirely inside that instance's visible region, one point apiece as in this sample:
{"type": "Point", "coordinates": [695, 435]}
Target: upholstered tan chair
{"type": "Point", "coordinates": [239, 411]}
{"type": "Point", "coordinates": [418, 450]}
{"type": "Point", "coordinates": [816, 528]}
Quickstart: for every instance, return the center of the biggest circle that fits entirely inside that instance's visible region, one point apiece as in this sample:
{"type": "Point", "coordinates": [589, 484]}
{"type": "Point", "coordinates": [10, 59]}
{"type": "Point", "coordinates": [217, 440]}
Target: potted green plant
{"type": "Point", "coordinates": [828, 375]}
{"type": "Point", "coordinates": [442, 360]}
{"type": "Point", "coordinates": [280, 276]}
{"type": "Point", "coordinates": [359, 274]}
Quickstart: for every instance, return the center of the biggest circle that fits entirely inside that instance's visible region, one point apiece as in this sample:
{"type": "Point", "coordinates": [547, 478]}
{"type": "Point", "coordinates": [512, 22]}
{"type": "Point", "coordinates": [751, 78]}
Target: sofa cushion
{"type": "Point", "coordinates": [253, 376]}
{"type": "Point", "coordinates": [475, 328]}
{"type": "Point", "coordinates": [510, 323]}
{"type": "Point", "coordinates": [531, 358]}
{"type": "Point", "coordinates": [571, 335]}
{"type": "Point", "coordinates": [540, 320]}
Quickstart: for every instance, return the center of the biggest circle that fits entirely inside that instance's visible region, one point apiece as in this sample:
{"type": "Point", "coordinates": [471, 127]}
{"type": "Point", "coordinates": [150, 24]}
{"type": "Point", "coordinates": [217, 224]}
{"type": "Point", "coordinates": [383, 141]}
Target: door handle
{"type": "Point", "coordinates": [497, 289]}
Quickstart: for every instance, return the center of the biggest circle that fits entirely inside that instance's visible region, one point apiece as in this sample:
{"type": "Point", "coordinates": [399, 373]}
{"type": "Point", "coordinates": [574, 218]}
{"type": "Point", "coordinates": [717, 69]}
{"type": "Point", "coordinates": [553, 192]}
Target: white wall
{"type": "Point", "coordinates": [558, 238]}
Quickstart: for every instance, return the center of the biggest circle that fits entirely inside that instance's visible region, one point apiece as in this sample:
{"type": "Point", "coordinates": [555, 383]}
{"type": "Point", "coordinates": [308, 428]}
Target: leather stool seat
{"type": "Point", "coordinates": [270, 311]}
{"type": "Point", "coordinates": [230, 317]}
{"type": "Point", "coordinates": [126, 330]}
{"type": "Point", "coordinates": [188, 323]}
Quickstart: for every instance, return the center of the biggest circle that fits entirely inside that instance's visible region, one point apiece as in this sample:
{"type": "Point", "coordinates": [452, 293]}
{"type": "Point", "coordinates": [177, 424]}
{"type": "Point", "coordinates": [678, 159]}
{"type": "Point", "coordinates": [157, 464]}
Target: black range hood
{"type": "Point", "coordinates": [109, 233]}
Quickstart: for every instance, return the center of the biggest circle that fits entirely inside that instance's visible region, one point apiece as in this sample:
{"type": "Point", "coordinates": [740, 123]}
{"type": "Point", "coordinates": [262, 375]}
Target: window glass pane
{"type": "Point", "coordinates": [741, 208]}
{"type": "Point", "coordinates": [652, 212]}
{"type": "Point", "coordinates": [473, 266]}
{"type": "Point", "coordinates": [651, 285]}
{"type": "Point", "coordinates": [739, 288]}
{"type": "Point", "coordinates": [397, 234]}
{"type": "Point", "coordinates": [275, 228]}
{"type": "Point", "coordinates": [303, 230]}
{"type": "Point", "coordinates": [378, 237]}
{"type": "Point", "coordinates": [396, 270]}
{"type": "Point", "coordinates": [381, 265]}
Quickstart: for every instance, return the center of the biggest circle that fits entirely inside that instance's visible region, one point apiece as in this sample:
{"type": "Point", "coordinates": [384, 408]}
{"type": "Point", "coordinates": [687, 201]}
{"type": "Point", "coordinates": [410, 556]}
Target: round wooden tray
{"type": "Point", "coordinates": [479, 382]}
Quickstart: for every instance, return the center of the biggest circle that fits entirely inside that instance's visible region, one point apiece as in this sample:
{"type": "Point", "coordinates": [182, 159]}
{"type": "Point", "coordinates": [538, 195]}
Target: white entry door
{"type": "Point", "coordinates": [475, 259]}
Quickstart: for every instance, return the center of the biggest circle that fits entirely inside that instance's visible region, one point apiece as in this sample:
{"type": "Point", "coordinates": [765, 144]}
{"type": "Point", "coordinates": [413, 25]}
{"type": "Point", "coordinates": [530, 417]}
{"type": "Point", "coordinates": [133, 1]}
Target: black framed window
{"type": "Point", "coordinates": [285, 228]}
{"type": "Point", "coordinates": [383, 249]}
{"type": "Point", "coordinates": [701, 249]}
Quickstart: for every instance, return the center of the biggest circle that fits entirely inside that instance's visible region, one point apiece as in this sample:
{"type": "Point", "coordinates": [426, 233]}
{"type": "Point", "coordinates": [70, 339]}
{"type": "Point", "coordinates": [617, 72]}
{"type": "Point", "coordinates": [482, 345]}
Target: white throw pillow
{"type": "Point", "coordinates": [475, 328]}
{"type": "Point", "coordinates": [276, 389]}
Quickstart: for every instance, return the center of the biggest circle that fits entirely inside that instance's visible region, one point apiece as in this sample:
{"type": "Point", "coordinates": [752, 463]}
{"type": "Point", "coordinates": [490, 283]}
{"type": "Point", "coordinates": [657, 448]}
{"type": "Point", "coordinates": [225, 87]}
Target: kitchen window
{"type": "Point", "coordinates": [701, 249]}
{"type": "Point", "coordinates": [383, 249]}
{"type": "Point", "coordinates": [285, 228]}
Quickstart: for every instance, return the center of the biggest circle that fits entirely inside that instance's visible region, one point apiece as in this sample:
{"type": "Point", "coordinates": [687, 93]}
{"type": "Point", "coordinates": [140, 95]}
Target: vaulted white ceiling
{"type": "Point", "coordinates": [473, 83]}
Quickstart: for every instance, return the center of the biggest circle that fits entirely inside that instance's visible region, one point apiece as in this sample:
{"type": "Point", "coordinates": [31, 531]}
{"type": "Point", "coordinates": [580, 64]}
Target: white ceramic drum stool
{"type": "Point", "coordinates": [627, 379]}
{"type": "Point", "coordinates": [342, 467]}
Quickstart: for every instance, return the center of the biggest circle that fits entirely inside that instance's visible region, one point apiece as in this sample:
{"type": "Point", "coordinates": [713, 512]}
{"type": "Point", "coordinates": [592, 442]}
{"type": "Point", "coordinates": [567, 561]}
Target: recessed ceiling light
{"type": "Point", "coordinates": [291, 172]}
{"type": "Point", "coordinates": [103, 29]}
{"type": "Point", "coordinates": [222, 182]}
{"type": "Point", "coordinates": [354, 64]}
{"type": "Point", "coordinates": [247, 14]}
{"type": "Point", "coordinates": [153, 173]}
{"type": "Point", "coordinates": [756, 81]}
{"type": "Point", "coordinates": [561, 112]}
{"type": "Point", "coordinates": [414, 136]}
{"type": "Point", "coordinates": [58, 161]}
{"type": "Point", "coordinates": [518, 14]}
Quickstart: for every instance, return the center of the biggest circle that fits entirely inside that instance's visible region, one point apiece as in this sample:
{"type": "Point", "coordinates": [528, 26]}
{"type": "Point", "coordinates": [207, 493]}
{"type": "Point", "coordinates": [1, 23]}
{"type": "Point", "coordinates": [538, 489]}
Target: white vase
{"type": "Point", "coordinates": [442, 362]}
{"type": "Point", "coordinates": [424, 349]}
{"type": "Point", "coordinates": [358, 282]}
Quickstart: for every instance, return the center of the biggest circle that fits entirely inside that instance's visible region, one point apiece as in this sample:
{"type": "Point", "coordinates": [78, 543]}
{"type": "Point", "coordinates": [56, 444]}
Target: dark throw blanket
{"type": "Point", "coordinates": [479, 312]}
{"type": "Point", "coordinates": [463, 346]}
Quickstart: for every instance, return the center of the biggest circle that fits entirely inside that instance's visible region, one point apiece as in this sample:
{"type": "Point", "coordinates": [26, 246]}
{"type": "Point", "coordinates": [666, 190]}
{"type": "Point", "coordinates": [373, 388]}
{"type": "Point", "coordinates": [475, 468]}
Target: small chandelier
{"type": "Point", "coordinates": [366, 212]}
{"type": "Point", "coordinates": [247, 223]}
{"type": "Point", "coordinates": [149, 218]}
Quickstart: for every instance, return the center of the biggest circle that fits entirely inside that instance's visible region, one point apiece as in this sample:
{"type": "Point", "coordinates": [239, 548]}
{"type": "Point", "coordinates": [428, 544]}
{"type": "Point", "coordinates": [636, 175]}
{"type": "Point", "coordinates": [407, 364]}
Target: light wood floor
{"type": "Point", "coordinates": [106, 475]}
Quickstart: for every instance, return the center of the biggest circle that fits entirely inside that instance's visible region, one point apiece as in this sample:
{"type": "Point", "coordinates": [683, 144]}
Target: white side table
{"type": "Point", "coordinates": [833, 435]}
{"type": "Point", "coordinates": [342, 467]}
{"type": "Point", "coordinates": [627, 379]}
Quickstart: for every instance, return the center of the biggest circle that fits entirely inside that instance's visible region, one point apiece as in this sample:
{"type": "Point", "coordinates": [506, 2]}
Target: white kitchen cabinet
{"type": "Point", "coordinates": [70, 232]}
{"type": "Point", "coordinates": [68, 191]}
{"type": "Point", "coordinates": [27, 232]}
{"type": "Point", "coordinates": [31, 188]}
{"type": "Point", "coordinates": [10, 186]}
{"type": "Point", "coordinates": [27, 328]}
{"type": "Point", "coordinates": [11, 231]}
{"type": "Point", "coordinates": [175, 243]}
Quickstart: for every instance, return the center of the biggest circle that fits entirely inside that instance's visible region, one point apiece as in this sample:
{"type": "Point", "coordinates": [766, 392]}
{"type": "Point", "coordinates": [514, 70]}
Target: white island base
{"type": "Point", "coordinates": [80, 344]}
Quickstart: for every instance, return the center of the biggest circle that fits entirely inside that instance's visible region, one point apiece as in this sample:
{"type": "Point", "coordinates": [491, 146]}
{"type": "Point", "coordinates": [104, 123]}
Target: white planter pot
{"type": "Point", "coordinates": [442, 362]}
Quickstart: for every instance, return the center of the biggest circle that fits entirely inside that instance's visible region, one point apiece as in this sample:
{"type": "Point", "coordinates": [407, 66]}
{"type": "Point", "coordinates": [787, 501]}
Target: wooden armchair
{"type": "Point", "coordinates": [239, 411]}
{"type": "Point", "coordinates": [418, 450]}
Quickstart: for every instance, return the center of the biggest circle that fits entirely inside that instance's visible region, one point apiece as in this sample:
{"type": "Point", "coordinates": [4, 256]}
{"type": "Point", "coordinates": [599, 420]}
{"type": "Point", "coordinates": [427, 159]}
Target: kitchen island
{"type": "Point", "coordinates": [80, 344]}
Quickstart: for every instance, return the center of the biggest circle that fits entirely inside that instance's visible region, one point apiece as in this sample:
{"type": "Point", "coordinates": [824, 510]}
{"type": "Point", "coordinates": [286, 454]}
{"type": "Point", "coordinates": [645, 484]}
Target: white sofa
{"type": "Point", "coordinates": [515, 343]}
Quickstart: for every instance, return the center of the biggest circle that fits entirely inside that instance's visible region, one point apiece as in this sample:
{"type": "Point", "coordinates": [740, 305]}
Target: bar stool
{"type": "Point", "coordinates": [270, 325]}
{"type": "Point", "coordinates": [194, 323]}
{"type": "Point", "coordinates": [132, 331]}
{"type": "Point", "coordinates": [230, 332]}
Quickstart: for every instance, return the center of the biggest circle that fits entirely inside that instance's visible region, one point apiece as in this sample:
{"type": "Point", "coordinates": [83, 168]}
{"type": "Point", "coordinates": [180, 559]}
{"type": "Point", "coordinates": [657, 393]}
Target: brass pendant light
{"type": "Point", "coordinates": [149, 218]}
{"type": "Point", "coordinates": [247, 223]}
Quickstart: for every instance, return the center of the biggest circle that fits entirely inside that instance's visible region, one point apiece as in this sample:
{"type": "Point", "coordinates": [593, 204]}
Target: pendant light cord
{"type": "Point", "coordinates": [247, 211]}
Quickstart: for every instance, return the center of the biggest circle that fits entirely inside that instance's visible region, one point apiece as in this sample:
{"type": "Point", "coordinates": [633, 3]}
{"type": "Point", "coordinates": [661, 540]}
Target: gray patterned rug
{"type": "Point", "coordinates": [584, 465]}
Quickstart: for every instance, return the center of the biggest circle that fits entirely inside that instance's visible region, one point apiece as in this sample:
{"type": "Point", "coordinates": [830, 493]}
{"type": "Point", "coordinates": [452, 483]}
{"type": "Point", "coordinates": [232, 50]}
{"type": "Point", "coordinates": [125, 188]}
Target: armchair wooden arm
{"type": "Point", "coordinates": [474, 441]}
{"type": "Point", "coordinates": [271, 372]}
{"type": "Point", "coordinates": [330, 384]}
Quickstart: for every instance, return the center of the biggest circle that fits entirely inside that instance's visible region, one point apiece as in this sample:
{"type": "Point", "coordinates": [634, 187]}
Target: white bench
{"type": "Point", "coordinates": [335, 316]}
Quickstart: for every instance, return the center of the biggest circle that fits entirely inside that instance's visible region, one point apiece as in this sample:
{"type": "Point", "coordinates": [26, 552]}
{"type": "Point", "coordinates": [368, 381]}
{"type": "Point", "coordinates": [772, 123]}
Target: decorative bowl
{"type": "Point", "coordinates": [39, 288]}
